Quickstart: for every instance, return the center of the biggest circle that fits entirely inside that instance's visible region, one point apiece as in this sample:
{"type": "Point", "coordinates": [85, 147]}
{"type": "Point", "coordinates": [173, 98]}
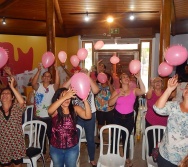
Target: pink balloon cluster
{"type": "Point", "coordinates": [3, 57]}
{"type": "Point", "coordinates": [98, 45]}
{"type": "Point", "coordinates": [114, 60]}
{"type": "Point", "coordinates": [62, 56]}
{"type": "Point", "coordinates": [48, 59]}
{"type": "Point", "coordinates": [134, 66]}
{"type": "Point", "coordinates": [176, 55]}
{"type": "Point", "coordinates": [81, 55]}
{"type": "Point", "coordinates": [165, 69]}
{"type": "Point", "coordinates": [102, 77]}
{"type": "Point", "coordinates": [81, 84]}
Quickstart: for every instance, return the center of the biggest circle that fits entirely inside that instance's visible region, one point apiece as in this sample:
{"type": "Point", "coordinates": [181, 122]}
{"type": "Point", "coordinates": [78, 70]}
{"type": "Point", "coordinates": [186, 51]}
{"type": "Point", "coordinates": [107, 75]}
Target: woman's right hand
{"type": "Point", "coordinates": [11, 82]}
{"type": "Point", "coordinates": [70, 94]}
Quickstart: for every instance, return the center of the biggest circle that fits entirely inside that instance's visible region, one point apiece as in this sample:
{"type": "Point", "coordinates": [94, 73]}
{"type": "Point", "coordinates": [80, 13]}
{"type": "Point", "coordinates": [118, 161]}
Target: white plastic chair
{"type": "Point", "coordinates": [78, 160]}
{"type": "Point", "coordinates": [28, 111]}
{"type": "Point", "coordinates": [156, 129]}
{"type": "Point", "coordinates": [113, 157]}
{"type": "Point", "coordinates": [39, 129]}
{"type": "Point", "coordinates": [132, 140]}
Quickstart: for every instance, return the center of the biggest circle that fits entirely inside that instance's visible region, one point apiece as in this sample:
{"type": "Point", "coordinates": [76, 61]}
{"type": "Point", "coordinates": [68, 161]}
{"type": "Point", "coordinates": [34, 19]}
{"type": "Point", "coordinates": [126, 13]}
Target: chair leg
{"type": "Point", "coordinates": [143, 148]}
{"type": "Point", "coordinates": [131, 146]}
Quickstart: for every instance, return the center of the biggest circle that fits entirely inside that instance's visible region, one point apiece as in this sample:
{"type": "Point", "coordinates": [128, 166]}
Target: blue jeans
{"type": "Point", "coordinates": [67, 157]}
{"type": "Point", "coordinates": [89, 127]}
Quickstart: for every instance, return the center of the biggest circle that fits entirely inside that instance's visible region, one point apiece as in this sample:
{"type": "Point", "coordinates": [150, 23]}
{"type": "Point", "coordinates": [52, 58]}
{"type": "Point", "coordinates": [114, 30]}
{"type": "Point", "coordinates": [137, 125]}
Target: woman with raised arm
{"type": "Point", "coordinates": [124, 99]}
{"type": "Point", "coordinates": [64, 148]}
{"type": "Point", "coordinates": [12, 143]}
{"type": "Point", "coordinates": [44, 92]}
{"type": "Point", "coordinates": [174, 145]}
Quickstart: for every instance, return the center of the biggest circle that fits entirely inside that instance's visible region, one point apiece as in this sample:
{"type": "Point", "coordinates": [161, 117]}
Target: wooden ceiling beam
{"type": "Point", "coordinates": [58, 13]}
{"type": "Point", "coordinates": [6, 4]}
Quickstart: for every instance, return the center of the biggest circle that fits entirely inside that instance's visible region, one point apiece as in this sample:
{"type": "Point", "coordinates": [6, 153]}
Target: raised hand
{"type": "Point", "coordinates": [172, 83]}
{"type": "Point", "coordinates": [70, 94]}
{"type": "Point", "coordinates": [11, 82]}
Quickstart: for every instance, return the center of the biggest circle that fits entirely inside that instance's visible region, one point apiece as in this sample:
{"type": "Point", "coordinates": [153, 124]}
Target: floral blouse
{"type": "Point", "coordinates": [174, 145]}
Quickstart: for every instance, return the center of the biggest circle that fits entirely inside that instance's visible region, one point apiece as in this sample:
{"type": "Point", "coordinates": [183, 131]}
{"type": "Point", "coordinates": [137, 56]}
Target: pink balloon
{"type": "Point", "coordinates": [114, 59]}
{"type": "Point", "coordinates": [3, 57]}
{"type": "Point", "coordinates": [165, 69]}
{"type": "Point", "coordinates": [134, 66]}
{"type": "Point", "coordinates": [74, 60]}
{"type": "Point", "coordinates": [81, 84]}
{"type": "Point", "coordinates": [102, 77]}
{"type": "Point", "coordinates": [176, 55]}
{"type": "Point", "coordinates": [48, 59]}
{"type": "Point", "coordinates": [82, 53]}
{"type": "Point", "coordinates": [62, 56]}
{"type": "Point", "coordinates": [98, 45]}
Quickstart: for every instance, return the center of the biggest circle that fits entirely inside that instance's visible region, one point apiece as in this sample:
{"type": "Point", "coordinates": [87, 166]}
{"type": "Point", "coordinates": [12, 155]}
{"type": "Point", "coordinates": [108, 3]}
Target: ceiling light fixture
{"type": "Point", "coordinates": [131, 17]}
{"type": "Point", "coordinates": [4, 21]}
{"type": "Point", "coordinates": [110, 19]}
{"type": "Point", "coordinates": [86, 17]}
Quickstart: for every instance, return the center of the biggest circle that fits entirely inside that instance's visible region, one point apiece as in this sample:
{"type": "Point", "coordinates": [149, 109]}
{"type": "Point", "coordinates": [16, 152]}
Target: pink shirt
{"type": "Point", "coordinates": [151, 116]}
{"type": "Point", "coordinates": [125, 104]}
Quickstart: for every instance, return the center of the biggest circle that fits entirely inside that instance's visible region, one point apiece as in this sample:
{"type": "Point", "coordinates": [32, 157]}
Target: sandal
{"type": "Point", "coordinates": [48, 159]}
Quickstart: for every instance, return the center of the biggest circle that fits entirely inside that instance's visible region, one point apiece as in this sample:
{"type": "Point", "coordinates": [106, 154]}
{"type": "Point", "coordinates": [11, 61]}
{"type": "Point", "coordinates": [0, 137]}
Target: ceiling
{"type": "Point", "coordinates": [28, 17]}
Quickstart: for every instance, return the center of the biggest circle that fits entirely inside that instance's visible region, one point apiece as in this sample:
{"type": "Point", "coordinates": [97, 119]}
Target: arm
{"type": "Point", "coordinates": [66, 84]}
{"type": "Point", "coordinates": [149, 93]}
{"type": "Point", "coordinates": [52, 110]}
{"type": "Point", "coordinates": [57, 79]}
{"type": "Point", "coordinates": [141, 91]}
{"type": "Point", "coordinates": [66, 70]}
{"type": "Point", "coordinates": [115, 96]}
{"type": "Point", "coordinates": [17, 95]}
{"type": "Point", "coordinates": [85, 114]}
{"type": "Point", "coordinates": [98, 65]}
{"type": "Point", "coordinates": [172, 84]}
{"type": "Point", "coordinates": [34, 83]}
{"type": "Point", "coordinates": [94, 86]}
{"type": "Point", "coordinates": [8, 71]}
{"type": "Point", "coordinates": [110, 86]}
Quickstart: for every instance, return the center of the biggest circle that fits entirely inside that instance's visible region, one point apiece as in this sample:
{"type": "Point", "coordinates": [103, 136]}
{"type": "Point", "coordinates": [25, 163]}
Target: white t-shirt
{"type": "Point", "coordinates": [63, 75]}
{"type": "Point", "coordinates": [43, 98]}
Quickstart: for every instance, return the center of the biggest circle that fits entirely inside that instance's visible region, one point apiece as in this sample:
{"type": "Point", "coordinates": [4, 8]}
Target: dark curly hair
{"type": "Point", "coordinates": [60, 109]}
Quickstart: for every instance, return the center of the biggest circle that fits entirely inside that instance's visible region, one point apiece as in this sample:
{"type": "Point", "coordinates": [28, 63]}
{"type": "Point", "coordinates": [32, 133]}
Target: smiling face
{"type": "Point", "coordinates": [124, 79]}
{"type": "Point", "coordinates": [47, 77]}
{"type": "Point", "coordinates": [158, 83]}
{"type": "Point", "coordinates": [6, 95]}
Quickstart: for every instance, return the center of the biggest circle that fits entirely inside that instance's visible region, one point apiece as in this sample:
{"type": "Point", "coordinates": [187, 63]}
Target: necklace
{"type": "Point", "coordinates": [5, 112]}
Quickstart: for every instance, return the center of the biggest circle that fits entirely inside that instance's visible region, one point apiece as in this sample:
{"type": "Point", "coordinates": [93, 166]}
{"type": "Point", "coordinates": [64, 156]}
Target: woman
{"type": "Point", "coordinates": [104, 113]}
{"type": "Point", "coordinates": [174, 145]}
{"type": "Point", "coordinates": [44, 92]}
{"type": "Point", "coordinates": [88, 125]}
{"type": "Point", "coordinates": [154, 93]}
{"type": "Point", "coordinates": [124, 99]}
{"type": "Point", "coordinates": [64, 147]}
{"type": "Point", "coordinates": [12, 144]}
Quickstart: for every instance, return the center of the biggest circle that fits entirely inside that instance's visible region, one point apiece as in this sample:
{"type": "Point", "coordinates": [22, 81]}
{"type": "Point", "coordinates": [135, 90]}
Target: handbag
{"type": "Point", "coordinates": [33, 151]}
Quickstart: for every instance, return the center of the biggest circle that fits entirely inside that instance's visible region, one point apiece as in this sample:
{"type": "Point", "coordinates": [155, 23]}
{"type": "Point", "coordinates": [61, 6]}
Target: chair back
{"type": "Point", "coordinates": [28, 114]}
{"type": "Point", "coordinates": [157, 131]}
{"type": "Point", "coordinates": [112, 133]}
{"type": "Point", "coordinates": [38, 128]}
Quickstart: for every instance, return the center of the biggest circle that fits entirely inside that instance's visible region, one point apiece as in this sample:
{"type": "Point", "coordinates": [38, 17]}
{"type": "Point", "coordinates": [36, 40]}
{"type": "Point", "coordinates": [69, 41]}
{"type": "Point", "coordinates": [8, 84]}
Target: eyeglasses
{"type": "Point", "coordinates": [47, 90]}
